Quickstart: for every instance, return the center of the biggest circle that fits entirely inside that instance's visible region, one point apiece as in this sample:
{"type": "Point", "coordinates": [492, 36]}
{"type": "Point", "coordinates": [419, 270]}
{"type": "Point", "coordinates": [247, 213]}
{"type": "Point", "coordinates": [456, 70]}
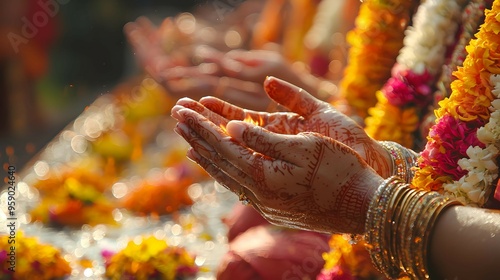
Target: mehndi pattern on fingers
{"type": "Point", "coordinates": [291, 96]}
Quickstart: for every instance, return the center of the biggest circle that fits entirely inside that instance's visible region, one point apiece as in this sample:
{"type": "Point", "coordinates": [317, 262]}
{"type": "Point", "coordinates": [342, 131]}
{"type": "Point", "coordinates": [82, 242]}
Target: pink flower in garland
{"type": "Point", "coordinates": [449, 140]}
{"type": "Point", "coordinates": [406, 87]}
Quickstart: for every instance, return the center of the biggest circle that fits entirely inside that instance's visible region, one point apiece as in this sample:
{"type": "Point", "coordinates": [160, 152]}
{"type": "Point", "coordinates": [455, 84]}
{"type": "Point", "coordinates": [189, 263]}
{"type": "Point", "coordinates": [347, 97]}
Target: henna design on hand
{"type": "Point", "coordinates": [308, 114]}
{"type": "Point", "coordinates": [321, 117]}
{"type": "Point", "coordinates": [318, 187]}
{"type": "Point", "coordinates": [304, 179]}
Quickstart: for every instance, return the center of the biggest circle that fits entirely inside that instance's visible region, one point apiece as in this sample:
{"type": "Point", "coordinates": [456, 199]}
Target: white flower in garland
{"type": "Point", "coordinates": [434, 30]}
{"type": "Point", "coordinates": [474, 187]}
{"type": "Point", "coordinates": [471, 188]}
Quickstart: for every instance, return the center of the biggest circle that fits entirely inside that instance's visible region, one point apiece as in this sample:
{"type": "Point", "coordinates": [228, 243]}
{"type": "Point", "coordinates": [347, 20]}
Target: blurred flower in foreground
{"type": "Point", "coordinates": [240, 219]}
{"type": "Point", "coordinates": [150, 258]}
{"type": "Point", "coordinates": [31, 260]}
{"type": "Point", "coordinates": [267, 252]}
{"type": "Point", "coordinates": [164, 194]}
{"type": "Point", "coordinates": [74, 203]}
{"type": "Point", "coordinates": [347, 261]}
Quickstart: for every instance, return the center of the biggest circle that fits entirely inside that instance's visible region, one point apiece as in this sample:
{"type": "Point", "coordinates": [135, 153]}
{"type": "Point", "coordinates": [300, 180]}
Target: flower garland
{"type": "Point", "coordinates": [150, 258]}
{"type": "Point", "coordinates": [474, 187]}
{"type": "Point", "coordinates": [405, 122]}
{"type": "Point", "coordinates": [408, 92]}
{"type": "Point", "coordinates": [472, 17]}
{"type": "Point", "coordinates": [456, 161]}
{"type": "Point", "coordinates": [30, 259]}
{"type": "Point", "coordinates": [374, 45]}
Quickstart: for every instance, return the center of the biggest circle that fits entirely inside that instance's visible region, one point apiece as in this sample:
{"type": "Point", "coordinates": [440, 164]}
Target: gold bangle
{"type": "Point", "coordinates": [423, 229]}
{"type": "Point", "coordinates": [398, 226]}
{"type": "Point", "coordinates": [404, 160]}
{"type": "Point", "coordinates": [376, 222]}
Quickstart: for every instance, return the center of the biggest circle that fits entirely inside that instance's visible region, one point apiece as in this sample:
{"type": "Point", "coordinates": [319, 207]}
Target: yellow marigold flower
{"type": "Point", "coordinates": [390, 123]}
{"type": "Point", "coordinates": [375, 43]}
{"type": "Point", "coordinates": [353, 256]}
{"type": "Point", "coordinates": [145, 249]}
{"type": "Point", "coordinates": [150, 257]}
{"type": "Point", "coordinates": [30, 259]}
{"type": "Point", "coordinates": [424, 180]}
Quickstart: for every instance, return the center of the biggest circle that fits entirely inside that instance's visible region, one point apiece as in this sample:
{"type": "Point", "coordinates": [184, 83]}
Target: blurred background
{"type": "Point", "coordinates": [57, 56]}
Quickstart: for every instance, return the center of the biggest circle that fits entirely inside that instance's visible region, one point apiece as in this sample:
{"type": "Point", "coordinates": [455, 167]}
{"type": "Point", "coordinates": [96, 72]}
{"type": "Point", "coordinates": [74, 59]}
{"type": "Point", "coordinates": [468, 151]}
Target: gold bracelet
{"type": "Point", "coordinates": [423, 229]}
{"type": "Point", "coordinates": [403, 160]}
{"type": "Point", "coordinates": [398, 227]}
{"type": "Point", "coordinates": [376, 238]}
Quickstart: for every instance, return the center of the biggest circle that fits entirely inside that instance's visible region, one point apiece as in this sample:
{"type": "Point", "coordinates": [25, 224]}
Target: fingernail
{"type": "Point", "coordinates": [275, 86]}
{"type": "Point", "coordinates": [236, 128]}
{"type": "Point", "coordinates": [208, 68]}
{"type": "Point", "coordinates": [175, 112]}
{"type": "Point", "coordinates": [269, 78]}
{"type": "Point", "coordinates": [273, 81]}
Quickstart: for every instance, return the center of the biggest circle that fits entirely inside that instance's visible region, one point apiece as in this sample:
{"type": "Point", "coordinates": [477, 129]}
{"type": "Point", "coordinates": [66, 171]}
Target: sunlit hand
{"type": "Point", "coordinates": [152, 54]}
{"type": "Point", "coordinates": [256, 65]}
{"type": "Point", "coordinates": [307, 181]}
{"type": "Point", "coordinates": [187, 69]}
{"type": "Point", "coordinates": [308, 114]}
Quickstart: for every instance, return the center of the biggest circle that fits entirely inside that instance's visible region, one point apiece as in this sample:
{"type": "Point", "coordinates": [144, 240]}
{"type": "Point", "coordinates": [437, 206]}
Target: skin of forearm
{"type": "Point", "coordinates": [465, 244]}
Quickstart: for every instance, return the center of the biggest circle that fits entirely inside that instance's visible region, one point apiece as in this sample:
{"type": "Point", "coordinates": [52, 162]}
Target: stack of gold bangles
{"type": "Point", "coordinates": [398, 227]}
{"type": "Point", "coordinates": [403, 160]}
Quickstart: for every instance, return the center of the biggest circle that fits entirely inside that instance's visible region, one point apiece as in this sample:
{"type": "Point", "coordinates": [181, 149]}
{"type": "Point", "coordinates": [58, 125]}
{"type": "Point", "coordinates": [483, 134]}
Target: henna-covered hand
{"type": "Point", "coordinates": [307, 181]}
{"type": "Point", "coordinates": [308, 114]}
{"type": "Point", "coordinates": [256, 65]}
{"type": "Point", "coordinates": [152, 50]}
{"type": "Point", "coordinates": [187, 68]}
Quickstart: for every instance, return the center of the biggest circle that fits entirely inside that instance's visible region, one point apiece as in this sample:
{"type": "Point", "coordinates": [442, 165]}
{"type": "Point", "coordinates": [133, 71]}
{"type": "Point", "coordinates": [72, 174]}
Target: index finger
{"type": "Point", "coordinates": [292, 97]}
{"type": "Point", "coordinates": [279, 122]}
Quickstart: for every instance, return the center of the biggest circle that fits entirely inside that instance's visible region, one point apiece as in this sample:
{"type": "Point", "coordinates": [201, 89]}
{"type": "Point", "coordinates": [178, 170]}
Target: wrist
{"type": "Point", "coordinates": [370, 181]}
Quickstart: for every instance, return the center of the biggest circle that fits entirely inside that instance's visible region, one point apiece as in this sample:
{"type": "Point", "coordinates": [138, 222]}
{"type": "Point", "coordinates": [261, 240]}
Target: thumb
{"type": "Point", "coordinates": [236, 129]}
{"type": "Point", "coordinates": [292, 97]}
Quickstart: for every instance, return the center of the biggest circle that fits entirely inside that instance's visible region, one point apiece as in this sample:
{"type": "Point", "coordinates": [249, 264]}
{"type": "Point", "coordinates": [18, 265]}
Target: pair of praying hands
{"type": "Point", "coordinates": [187, 66]}
{"type": "Point", "coordinates": [311, 168]}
